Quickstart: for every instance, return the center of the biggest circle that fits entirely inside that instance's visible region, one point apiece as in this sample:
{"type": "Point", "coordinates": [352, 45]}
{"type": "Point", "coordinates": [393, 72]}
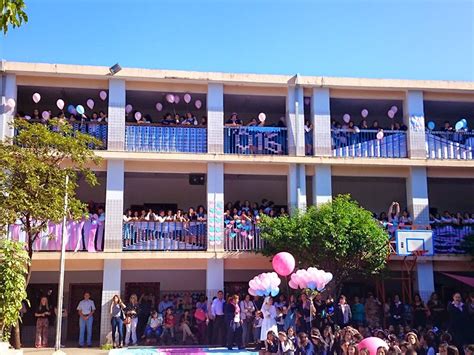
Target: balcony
{"type": "Point", "coordinates": [242, 236]}
{"type": "Point", "coordinates": [369, 143]}
{"type": "Point", "coordinates": [255, 140]}
{"type": "Point", "coordinates": [84, 235]}
{"type": "Point", "coordinates": [97, 130]}
{"type": "Point", "coordinates": [448, 237]}
{"type": "Point", "coordinates": [166, 236]}
{"type": "Point", "coordinates": [450, 145]}
{"type": "Point", "coordinates": [165, 139]}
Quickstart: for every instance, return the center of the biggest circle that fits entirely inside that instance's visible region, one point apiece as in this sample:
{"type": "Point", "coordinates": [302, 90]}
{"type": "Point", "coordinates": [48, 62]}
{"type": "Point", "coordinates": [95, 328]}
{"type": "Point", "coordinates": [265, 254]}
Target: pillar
{"type": "Point", "coordinates": [214, 277]}
{"type": "Point", "coordinates": [116, 118]}
{"type": "Point", "coordinates": [417, 195]}
{"type": "Point", "coordinates": [110, 287]}
{"type": "Point", "coordinates": [295, 120]}
{"type": "Point", "coordinates": [424, 279]}
{"type": "Point", "coordinates": [414, 119]}
{"type": "Point", "coordinates": [321, 121]}
{"type": "Point", "coordinates": [296, 184]}
{"type": "Point", "coordinates": [215, 118]}
{"type": "Point", "coordinates": [322, 184]}
{"type": "Point", "coordinates": [8, 90]}
{"type": "Point", "coordinates": [114, 205]}
{"type": "Point", "coordinates": [215, 206]}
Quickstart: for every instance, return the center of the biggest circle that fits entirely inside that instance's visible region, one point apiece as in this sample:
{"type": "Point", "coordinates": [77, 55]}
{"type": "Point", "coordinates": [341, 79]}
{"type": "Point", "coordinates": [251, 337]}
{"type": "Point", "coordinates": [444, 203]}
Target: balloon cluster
{"type": "Point", "coordinates": [265, 284]}
{"type": "Point", "coordinates": [312, 278]}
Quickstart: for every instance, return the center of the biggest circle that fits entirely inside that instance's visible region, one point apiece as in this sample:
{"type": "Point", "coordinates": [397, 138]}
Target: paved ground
{"type": "Point", "coordinates": [137, 351]}
{"type": "Point", "coordinates": [68, 351]}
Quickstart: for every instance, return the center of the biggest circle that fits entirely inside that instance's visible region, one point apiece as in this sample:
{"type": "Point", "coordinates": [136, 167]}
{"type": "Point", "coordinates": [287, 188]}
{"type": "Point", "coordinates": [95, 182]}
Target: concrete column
{"type": "Point", "coordinates": [114, 205]}
{"type": "Point", "coordinates": [110, 287]}
{"type": "Point", "coordinates": [414, 119]}
{"type": "Point", "coordinates": [424, 279]}
{"type": "Point", "coordinates": [321, 121]}
{"type": "Point", "coordinates": [295, 120]}
{"type": "Point", "coordinates": [296, 185]}
{"type": "Point", "coordinates": [116, 124]}
{"type": "Point", "coordinates": [215, 118]}
{"type": "Point", "coordinates": [322, 184]}
{"type": "Point", "coordinates": [8, 90]}
{"type": "Point", "coordinates": [215, 206]}
{"type": "Point", "coordinates": [214, 277]}
{"type": "Point", "coordinates": [417, 195]}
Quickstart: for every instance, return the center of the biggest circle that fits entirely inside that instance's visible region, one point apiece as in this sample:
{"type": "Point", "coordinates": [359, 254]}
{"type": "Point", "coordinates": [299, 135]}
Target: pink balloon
{"type": "Point", "coordinates": [36, 97]}
{"type": "Point", "coordinates": [128, 108]}
{"type": "Point", "coordinates": [372, 344]}
{"type": "Point", "coordinates": [198, 104]}
{"type": "Point", "coordinates": [90, 103]}
{"type": "Point", "coordinates": [293, 284]}
{"type": "Point", "coordinates": [187, 98]}
{"type": "Point", "coordinates": [364, 113]}
{"type": "Point", "coordinates": [283, 263]}
{"type": "Point", "coordinates": [170, 98]}
{"type": "Point", "coordinates": [103, 95]}
{"type": "Point", "coordinates": [45, 115]}
{"type": "Point", "coordinates": [391, 114]}
{"type": "Point", "coordinates": [138, 116]}
{"type": "Point", "coordinates": [176, 99]}
{"type": "Point", "coordinates": [394, 109]}
{"type": "Point", "coordinates": [346, 118]}
{"type": "Point", "coordinates": [60, 104]}
{"type": "Point", "coordinates": [252, 292]}
{"type": "Point", "coordinates": [159, 106]}
{"type": "Point", "coordinates": [11, 103]}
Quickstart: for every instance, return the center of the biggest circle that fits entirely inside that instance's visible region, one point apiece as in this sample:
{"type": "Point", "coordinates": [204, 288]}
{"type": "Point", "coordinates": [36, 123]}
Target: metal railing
{"type": "Point", "coordinates": [144, 235]}
{"type": "Point", "coordinates": [242, 236]}
{"type": "Point", "coordinates": [84, 235]}
{"type": "Point", "coordinates": [97, 130]}
{"type": "Point", "coordinates": [166, 139]}
{"type": "Point", "coordinates": [255, 140]}
{"type": "Point", "coordinates": [364, 143]}
{"type": "Point", "coordinates": [447, 238]}
{"type": "Point", "coordinates": [450, 145]}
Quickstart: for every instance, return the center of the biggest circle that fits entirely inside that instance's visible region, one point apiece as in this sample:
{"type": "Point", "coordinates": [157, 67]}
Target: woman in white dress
{"type": "Point", "coordinates": [269, 315]}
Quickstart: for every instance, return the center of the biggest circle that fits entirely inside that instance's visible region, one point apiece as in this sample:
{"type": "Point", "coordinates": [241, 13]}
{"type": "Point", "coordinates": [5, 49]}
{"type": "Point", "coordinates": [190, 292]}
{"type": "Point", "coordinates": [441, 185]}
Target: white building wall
{"type": "Point", "coordinates": [295, 120]}
{"type": "Point", "coordinates": [8, 90]}
{"type": "Point", "coordinates": [114, 205]}
{"type": "Point", "coordinates": [322, 185]}
{"type": "Point", "coordinates": [111, 285]}
{"type": "Point", "coordinates": [321, 121]}
{"type": "Point", "coordinates": [215, 206]}
{"type": "Point", "coordinates": [417, 195]}
{"type": "Point", "coordinates": [215, 118]}
{"type": "Point", "coordinates": [414, 119]}
{"type": "Point", "coordinates": [116, 120]}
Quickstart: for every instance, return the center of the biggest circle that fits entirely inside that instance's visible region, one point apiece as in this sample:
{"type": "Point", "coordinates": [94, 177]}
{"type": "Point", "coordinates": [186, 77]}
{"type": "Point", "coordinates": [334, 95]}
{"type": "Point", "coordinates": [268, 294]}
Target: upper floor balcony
{"type": "Point", "coordinates": [177, 122]}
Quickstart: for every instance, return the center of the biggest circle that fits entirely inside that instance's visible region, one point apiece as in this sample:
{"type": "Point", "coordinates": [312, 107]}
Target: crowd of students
{"type": "Point", "coordinates": [169, 119]}
{"type": "Point", "coordinates": [298, 325]}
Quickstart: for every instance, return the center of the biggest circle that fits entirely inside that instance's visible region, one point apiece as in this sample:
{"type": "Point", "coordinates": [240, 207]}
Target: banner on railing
{"type": "Point", "coordinates": [450, 145]}
{"type": "Point", "coordinates": [86, 234]}
{"type": "Point", "coordinates": [448, 238]}
{"type": "Point", "coordinates": [255, 140]}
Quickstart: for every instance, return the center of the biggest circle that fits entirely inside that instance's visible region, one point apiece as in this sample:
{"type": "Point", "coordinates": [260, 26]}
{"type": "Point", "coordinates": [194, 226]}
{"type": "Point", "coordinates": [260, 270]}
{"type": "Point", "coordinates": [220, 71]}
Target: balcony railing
{"type": "Point", "coordinates": [165, 139]}
{"type": "Point", "coordinates": [97, 130]}
{"type": "Point", "coordinates": [450, 145]}
{"type": "Point", "coordinates": [84, 235]}
{"type": "Point", "coordinates": [255, 140]}
{"type": "Point", "coordinates": [448, 237]}
{"type": "Point", "coordinates": [242, 236]}
{"type": "Point", "coordinates": [143, 235]}
{"type": "Point", "coordinates": [364, 144]}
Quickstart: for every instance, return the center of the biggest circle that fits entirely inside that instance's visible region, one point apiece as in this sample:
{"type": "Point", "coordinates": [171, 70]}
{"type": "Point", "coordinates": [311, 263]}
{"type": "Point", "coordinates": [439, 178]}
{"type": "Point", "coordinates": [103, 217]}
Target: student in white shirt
{"type": "Point", "coordinates": [86, 309]}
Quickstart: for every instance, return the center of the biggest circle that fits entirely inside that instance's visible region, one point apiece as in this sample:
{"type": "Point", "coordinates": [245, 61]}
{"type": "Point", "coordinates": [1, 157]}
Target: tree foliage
{"type": "Point", "coordinates": [13, 14]}
{"type": "Point", "coordinates": [14, 262]}
{"type": "Point", "coordinates": [33, 171]}
{"type": "Point", "coordinates": [467, 245]}
{"type": "Point", "coordinates": [338, 236]}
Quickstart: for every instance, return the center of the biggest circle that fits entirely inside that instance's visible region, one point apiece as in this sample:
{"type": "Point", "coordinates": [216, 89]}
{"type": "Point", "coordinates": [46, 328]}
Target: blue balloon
{"type": "Point", "coordinates": [70, 109]}
{"type": "Point", "coordinates": [80, 109]}
{"type": "Point", "coordinates": [464, 121]}
{"type": "Point", "coordinates": [275, 292]}
{"type": "Point", "coordinates": [260, 293]}
{"type": "Point", "coordinates": [431, 125]}
{"type": "Point", "coordinates": [459, 125]}
{"type": "Point", "coordinates": [311, 285]}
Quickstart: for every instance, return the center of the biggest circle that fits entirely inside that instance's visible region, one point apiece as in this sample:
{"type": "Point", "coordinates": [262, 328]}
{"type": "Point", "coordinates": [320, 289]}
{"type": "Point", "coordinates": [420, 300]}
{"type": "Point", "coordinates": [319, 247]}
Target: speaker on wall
{"type": "Point", "coordinates": [197, 179]}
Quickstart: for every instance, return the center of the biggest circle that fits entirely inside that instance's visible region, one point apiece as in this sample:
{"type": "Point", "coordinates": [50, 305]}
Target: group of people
{"type": "Point", "coordinates": [37, 116]}
{"type": "Point", "coordinates": [454, 219]}
{"type": "Point", "coordinates": [169, 119]}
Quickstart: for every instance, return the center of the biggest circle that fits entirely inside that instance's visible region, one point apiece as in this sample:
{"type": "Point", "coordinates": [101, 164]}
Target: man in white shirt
{"type": "Point", "coordinates": [217, 312]}
{"type": "Point", "coordinates": [86, 309]}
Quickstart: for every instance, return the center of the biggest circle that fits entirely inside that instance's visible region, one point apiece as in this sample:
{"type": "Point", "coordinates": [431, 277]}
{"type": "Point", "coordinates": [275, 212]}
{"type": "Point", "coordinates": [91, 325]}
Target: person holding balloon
{"type": "Point", "coordinates": [269, 314]}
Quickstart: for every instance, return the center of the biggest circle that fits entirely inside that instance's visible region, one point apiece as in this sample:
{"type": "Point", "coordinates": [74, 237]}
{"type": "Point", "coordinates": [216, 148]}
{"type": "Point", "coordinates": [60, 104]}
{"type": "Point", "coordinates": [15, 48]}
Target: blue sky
{"type": "Point", "coordinates": [414, 39]}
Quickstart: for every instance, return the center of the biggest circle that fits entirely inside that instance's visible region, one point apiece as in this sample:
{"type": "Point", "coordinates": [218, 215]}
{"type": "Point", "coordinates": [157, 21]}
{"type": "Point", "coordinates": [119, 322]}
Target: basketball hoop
{"type": "Point", "coordinates": [419, 252]}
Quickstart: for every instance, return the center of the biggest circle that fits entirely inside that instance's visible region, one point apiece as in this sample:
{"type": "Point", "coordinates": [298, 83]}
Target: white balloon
{"type": "Point", "coordinates": [128, 108]}
{"type": "Point", "coordinates": [11, 103]}
{"type": "Point", "coordinates": [394, 109]}
{"type": "Point", "coordinates": [391, 114]}
{"type": "Point", "coordinates": [60, 104]}
{"type": "Point", "coordinates": [103, 95]}
{"type": "Point", "coordinates": [187, 98]}
{"type": "Point", "coordinates": [36, 97]}
{"type": "Point", "coordinates": [170, 98]}
{"type": "Point", "coordinates": [159, 106]}
{"type": "Point", "coordinates": [364, 113]}
{"type": "Point", "coordinates": [138, 116]}
{"type": "Point", "coordinates": [90, 103]}
{"type": "Point", "coordinates": [346, 118]}
{"type": "Point", "coordinates": [379, 135]}
{"type": "Point", "coordinates": [198, 104]}
{"type": "Point", "coordinates": [45, 115]}
{"type": "Point", "coordinates": [262, 117]}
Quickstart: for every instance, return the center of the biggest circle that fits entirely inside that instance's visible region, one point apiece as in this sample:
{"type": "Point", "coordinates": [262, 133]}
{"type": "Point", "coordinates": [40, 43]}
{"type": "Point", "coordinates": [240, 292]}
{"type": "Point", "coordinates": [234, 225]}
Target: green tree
{"type": "Point", "coordinates": [33, 169]}
{"type": "Point", "coordinates": [14, 263]}
{"type": "Point", "coordinates": [339, 236]}
{"type": "Point", "coordinates": [13, 13]}
{"type": "Point", "coordinates": [467, 245]}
